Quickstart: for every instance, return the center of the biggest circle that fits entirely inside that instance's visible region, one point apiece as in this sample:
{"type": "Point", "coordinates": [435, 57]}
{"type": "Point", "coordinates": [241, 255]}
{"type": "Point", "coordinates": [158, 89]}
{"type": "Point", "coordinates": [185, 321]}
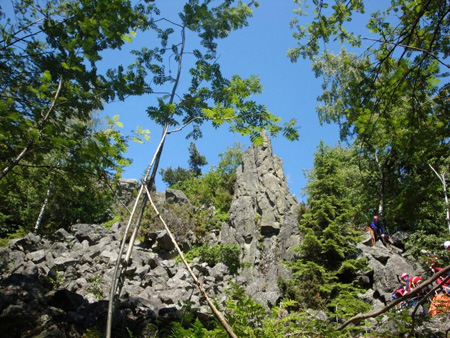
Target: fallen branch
{"type": "Point", "coordinates": [360, 317]}
{"type": "Point", "coordinates": [220, 317]}
{"type": "Point", "coordinates": [424, 298]}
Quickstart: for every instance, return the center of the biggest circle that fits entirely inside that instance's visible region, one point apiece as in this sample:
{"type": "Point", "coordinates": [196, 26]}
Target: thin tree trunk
{"type": "Point", "coordinates": [380, 188]}
{"type": "Point", "coordinates": [444, 186]}
{"type": "Point", "coordinates": [148, 181]}
{"type": "Point", "coordinates": [16, 161]}
{"type": "Point", "coordinates": [44, 205]}
{"type": "Point", "coordinates": [121, 266]}
{"type": "Point", "coordinates": [27, 148]}
{"type": "Point", "coordinates": [220, 317]}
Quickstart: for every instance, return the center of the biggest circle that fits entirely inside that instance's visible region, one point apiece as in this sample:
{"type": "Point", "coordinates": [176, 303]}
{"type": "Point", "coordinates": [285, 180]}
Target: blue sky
{"type": "Point", "coordinates": [290, 91]}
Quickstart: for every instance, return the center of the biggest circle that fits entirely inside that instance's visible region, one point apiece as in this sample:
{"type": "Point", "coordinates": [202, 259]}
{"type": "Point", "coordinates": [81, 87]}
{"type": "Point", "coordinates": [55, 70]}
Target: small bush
{"type": "Point", "coordinates": [226, 253]}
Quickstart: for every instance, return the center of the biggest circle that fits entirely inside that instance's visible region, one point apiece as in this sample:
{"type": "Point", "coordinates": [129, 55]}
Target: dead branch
{"type": "Point", "coordinates": [423, 300]}
{"type": "Point", "coordinates": [360, 317]}
{"type": "Point", "coordinates": [220, 317]}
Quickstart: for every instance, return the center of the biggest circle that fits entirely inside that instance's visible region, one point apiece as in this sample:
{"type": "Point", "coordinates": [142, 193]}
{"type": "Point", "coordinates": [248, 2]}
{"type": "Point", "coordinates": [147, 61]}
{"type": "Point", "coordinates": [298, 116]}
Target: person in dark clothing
{"type": "Point", "coordinates": [378, 231]}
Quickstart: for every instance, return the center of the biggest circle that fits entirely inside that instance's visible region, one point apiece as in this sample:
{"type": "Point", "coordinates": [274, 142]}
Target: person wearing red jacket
{"type": "Point", "coordinates": [432, 260]}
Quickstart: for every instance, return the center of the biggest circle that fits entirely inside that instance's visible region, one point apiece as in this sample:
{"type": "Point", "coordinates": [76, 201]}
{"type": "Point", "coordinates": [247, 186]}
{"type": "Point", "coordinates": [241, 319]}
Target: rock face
{"type": "Point", "coordinates": [385, 265]}
{"type": "Point", "coordinates": [127, 187]}
{"type": "Point", "coordinates": [59, 286]}
{"type": "Point", "coordinates": [263, 222]}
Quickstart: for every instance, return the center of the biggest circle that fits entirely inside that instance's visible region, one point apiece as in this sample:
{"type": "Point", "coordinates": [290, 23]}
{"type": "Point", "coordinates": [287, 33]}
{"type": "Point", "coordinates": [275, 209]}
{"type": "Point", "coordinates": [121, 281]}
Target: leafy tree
{"type": "Point", "coordinates": [210, 199]}
{"type": "Point", "coordinates": [216, 187]}
{"type": "Point", "coordinates": [231, 159]}
{"type": "Point", "coordinates": [74, 182]}
{"type": "Point", "coordinates": [50, 89]}
{"type": "Point", "coordinates": [49, 60]}
{"type": "Point", "coordinates": [171, 176]}
{"type": "Point", "coordinates": [209, 97]}
{"type": "Point", "coordinates": [196, 160]}
{"type": "Point", "coordinates": [225, 253]}
{"type": "Point", "coordinates": [390, 100]}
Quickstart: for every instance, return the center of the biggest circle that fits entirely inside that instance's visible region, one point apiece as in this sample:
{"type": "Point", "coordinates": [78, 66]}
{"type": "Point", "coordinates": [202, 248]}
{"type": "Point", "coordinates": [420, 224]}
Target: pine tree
{"type": "Point", "coordinates": [328, 260]}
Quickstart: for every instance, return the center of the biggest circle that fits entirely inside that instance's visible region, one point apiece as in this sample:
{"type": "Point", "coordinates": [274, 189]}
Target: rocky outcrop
{"type": "Point", "coordinates": [59, 287]}
{"type": "Point", "coordinates": [384, 267]}
{"type": "Point", "coordinates": [263, 222]}
{"type": "Point", "coordinates": [126, 189]}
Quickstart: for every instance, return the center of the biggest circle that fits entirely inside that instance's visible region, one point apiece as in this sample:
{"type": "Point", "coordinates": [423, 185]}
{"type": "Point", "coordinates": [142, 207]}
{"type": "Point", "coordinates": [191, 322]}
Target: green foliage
{"type": "Point", "coordinates": [78, 185]}
{"type": "Point", "coordinates": [346, 304]}
{"type": "Point", "coordinates": [92, 333]}
{"type": "Point", "coordinates": [182, 219]}
{"type": "Point", "coordinates": [195, 331]}
{"type": "Point", "coordinates": [213, 189]}
{"type": "Point", "coordinates": [228, 254]}
{"type": "Point", "coordinates": [246, 316]}
{"type": "Point", "coordinates": [53, 280]}
{"type": "Point", "coordinates": [196, 161]}
{"type": "Point", "coordinates": [210, 96]}
{"type": "Point", "coordinates": [250, 319]}
{"type": "Point", "coordinates": [374, 98]}
{"type": "Point", "coordinates": [307, 286]}
{"type": "Point", "coordinates": [49, 139]}
{"type": "Point", "coordinates": [328, 264]}
{"type": "Point", "coordinates": [421, 240]}
{"type": "Point", "coordinates": [95, 286]}
{"type": "Point", "coordinates": [171, 177]}
{"type": "Point", "coordinates": [118, 217]}
{"type": "Point", "coordinates": [19, 233]}
{"type": "Point", "coordinates": [231, 159]}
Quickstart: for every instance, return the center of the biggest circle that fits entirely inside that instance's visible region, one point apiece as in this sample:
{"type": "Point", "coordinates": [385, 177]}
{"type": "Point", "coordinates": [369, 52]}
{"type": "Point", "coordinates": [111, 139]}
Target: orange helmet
{"type": "Point", "coordinates": [404, 276]}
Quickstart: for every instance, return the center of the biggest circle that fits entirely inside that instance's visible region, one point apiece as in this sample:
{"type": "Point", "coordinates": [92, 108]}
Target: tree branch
{"type": "Point", "coordinates": [409, 47]}
{"type": "Point", "coordinates": [220, 317]}
{"type": "Point", "coordinates": [185, 125]}
{"type": "Point", "coordinates": [25, 150]}
{"type": "Point", "coordinates": [413, 314]}
{"type": "Point", "coordinates": [358, 318]}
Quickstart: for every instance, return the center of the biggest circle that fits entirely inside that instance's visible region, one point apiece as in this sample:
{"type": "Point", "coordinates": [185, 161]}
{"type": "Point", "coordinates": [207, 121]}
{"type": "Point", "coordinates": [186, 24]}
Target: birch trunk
{"type": "Point", "coordinates": [444, 187]}
{"type": "Point", "coordinates": [380, 188]}
{"type": "Point", "coordinates": [44, 205]}
{"type": "Point", "coordinates": [148, 181]}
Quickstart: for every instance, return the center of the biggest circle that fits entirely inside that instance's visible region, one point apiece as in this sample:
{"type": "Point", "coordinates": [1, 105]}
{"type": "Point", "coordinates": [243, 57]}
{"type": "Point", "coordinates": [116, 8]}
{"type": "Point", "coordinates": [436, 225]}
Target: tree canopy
{"type": "Point", "coordinates": [391, 99]}
{"type": "Point", "coordinates": [387, 90]}
{"type": "Point", "coordinates": [50, 92]}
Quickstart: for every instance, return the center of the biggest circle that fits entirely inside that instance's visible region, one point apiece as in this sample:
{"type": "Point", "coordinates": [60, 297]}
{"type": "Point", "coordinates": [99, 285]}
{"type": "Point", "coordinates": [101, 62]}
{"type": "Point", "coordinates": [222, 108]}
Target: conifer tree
{"type": "Point", "coordinates": [327, 264]}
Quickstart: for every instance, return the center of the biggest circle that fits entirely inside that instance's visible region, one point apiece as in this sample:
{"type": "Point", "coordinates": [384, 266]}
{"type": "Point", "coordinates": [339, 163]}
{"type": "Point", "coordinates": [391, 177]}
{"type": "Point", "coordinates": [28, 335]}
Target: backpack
{"type": "Point", "coordinates": [398, 293]}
